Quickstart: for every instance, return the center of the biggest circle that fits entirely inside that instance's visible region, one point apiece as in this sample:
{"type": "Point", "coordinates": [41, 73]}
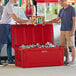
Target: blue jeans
{"type": "Point", "coordinates": [9, 52]}
{"type": "Point", "coordinates": [1, 45]}
{"type": "Point", "coordinates": [9, 48]}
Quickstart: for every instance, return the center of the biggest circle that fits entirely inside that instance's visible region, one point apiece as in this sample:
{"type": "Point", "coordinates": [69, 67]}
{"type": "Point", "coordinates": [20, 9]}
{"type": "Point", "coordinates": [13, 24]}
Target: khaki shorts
{"type": "Point", "coordinates": [66, 39]}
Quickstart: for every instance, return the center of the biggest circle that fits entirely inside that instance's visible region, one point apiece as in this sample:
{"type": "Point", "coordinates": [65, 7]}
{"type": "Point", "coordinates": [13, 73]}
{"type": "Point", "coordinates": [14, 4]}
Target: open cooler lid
{"type": "Point", "coordinates": [47, 1]}
{"type": "Point", "coordinates": [27, 35]}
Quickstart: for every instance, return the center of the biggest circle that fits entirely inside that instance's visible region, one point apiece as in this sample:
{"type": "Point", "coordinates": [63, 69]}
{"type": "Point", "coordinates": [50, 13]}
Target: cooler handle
{"type": "Point", "coordinates": [44, 51]}
{"type": "Point", "coordinates": [18, 60]}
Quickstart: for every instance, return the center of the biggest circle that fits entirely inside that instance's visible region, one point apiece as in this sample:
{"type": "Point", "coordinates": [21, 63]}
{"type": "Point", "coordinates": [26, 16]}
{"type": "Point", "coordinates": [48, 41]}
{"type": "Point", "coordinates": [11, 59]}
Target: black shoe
{"type": "Point", "coordinates": [66, 63]}
{"type": "Point", "coordinates": [5, 64]}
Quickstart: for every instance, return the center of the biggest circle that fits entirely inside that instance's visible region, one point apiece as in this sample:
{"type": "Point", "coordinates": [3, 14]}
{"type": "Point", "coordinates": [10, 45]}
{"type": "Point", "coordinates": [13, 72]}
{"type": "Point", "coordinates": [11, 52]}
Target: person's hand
{"type": "Point", "coordinates": [31, 20]}
{"type": "Point", "coordinates": [72, 33]}
{"type": "Point", "coordinates": [44, 22]}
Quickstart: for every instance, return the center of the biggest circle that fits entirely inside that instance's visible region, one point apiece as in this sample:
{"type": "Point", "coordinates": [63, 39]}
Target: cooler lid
{"type": "Point", "coordinates": [24, 34]}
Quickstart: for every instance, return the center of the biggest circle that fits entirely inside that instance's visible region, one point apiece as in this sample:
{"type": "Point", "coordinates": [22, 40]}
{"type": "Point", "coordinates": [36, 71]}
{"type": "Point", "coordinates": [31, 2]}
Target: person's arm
{"type": "Point", "coordinates": [11, 11]}
{"type": "Point", "coordinates": [53, 21]}
{"type": "Point", "coordinates": [17, 19]}
{"type": "Point", "coordinates": [73, 28]}
{"type": "Point", "coordinates": [33, 10]}
{"type": "Point", "coordinates": [73, 19]}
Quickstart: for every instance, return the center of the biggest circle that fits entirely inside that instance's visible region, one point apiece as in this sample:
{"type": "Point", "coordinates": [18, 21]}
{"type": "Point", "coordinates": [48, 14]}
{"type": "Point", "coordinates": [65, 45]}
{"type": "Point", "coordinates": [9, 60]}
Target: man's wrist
{"type": "Point", "coordinates": [28, 20]}
{"type": "Point", "coordinates": [49, 22]}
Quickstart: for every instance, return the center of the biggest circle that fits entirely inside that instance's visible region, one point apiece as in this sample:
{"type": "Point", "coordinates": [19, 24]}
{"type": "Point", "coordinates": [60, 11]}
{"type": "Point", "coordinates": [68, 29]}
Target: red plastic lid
{"type": "Point", "coordinates": [27, 35]}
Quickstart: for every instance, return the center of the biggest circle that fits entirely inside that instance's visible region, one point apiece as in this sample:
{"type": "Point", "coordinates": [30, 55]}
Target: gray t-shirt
{"type": "Point", "coordinates": [1, 11]}
{"type": "Point", "coordinates": [6, 18]}
{"type": "Point", "coordinates": [66, 17]}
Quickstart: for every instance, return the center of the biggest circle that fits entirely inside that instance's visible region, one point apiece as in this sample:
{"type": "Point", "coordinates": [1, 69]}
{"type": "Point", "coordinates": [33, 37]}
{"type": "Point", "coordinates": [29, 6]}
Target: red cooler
{"type": "Point", "coordinates": [24, 34]}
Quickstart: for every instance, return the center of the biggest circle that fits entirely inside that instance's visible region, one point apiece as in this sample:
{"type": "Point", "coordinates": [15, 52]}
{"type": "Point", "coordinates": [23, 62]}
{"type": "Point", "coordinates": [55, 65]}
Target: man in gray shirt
{"type": "Point", "coordinates": [7, 16]}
